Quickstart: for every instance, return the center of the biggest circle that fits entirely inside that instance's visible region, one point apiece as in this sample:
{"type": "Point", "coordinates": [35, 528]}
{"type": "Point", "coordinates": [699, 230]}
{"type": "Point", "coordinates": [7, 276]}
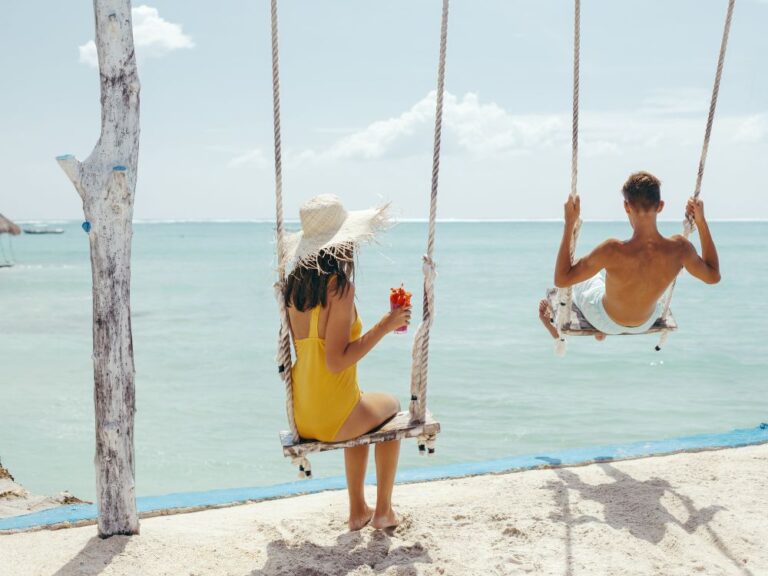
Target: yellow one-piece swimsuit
{"type": "Point", "coordinates": [322, 400]}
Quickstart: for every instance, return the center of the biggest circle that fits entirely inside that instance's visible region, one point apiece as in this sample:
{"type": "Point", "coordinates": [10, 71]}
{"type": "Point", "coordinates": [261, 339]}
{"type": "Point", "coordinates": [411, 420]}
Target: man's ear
{"type": "Point", "coordinates": [627, 208]}
{"type": "Point", "coordinates": [660, 206]}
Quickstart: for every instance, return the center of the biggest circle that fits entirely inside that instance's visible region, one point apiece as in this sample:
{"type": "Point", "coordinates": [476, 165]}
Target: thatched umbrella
{"type": "Point", "coordinates": [8, 227]}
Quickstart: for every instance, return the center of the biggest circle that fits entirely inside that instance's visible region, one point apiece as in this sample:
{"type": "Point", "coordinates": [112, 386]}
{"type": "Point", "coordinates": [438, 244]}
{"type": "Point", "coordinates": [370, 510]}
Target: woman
{"type": "Point", "coordinates": [327, 334]}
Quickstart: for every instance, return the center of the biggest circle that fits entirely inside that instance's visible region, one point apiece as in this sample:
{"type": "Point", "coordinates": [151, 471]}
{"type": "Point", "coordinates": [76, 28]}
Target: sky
{"type": "Point", "coordinates": [358, 80]}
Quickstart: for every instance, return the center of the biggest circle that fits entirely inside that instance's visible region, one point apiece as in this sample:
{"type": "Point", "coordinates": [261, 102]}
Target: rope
{"type": "Point", "coordinates": [419, 368]}
{"type": "Point", "coordinates": [575, 121]}
{"type": "Point", "coordinates": [284, 334]}
{"type": "Point", "coordinates": [565, 295]}
{"type": "Point", "coordinates": [420, 356]}
{"type": "Point", "coordinates": [715, 93]}
{"type": "Point", "coordinates": [305, 468]}
{"type": "Point", "coordinates": [688, 224]}
{"type": "Point", "coordinates": [426, 444]}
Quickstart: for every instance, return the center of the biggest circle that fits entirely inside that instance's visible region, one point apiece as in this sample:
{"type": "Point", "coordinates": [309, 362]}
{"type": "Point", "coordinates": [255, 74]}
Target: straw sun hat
{"type": "Point", "coordinates": [327, 226]}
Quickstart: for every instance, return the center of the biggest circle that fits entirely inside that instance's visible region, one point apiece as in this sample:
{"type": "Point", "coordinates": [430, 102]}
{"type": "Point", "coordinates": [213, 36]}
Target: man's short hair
{"type": "Point", "coordinates": [643, 191]}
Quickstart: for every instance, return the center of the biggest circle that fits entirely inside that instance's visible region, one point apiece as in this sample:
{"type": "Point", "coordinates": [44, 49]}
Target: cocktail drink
{"type": "Point", "coordinates": [398, 298]}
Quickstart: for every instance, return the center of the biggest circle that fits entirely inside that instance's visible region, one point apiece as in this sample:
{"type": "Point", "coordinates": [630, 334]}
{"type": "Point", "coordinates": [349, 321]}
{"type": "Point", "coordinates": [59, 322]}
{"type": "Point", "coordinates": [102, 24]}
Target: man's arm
{"type": "Point", "coordinates": [584, 268]}
{"type": "Point", "coordinates": [707, 266]}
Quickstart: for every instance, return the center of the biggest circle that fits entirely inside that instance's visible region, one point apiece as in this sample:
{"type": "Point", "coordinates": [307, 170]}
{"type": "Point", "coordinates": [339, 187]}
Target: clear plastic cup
{"type": "Point", "coordinates": [404, 328]}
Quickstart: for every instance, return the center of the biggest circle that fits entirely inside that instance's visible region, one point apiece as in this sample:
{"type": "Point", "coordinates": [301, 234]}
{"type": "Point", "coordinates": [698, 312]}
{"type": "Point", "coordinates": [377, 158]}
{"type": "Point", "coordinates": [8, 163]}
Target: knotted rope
{"type": "Point", "coordinates": [565, 295]}
{"type": "Point", "coordinates": [426, 443]}
{"type": "Point", "coordinates": [420, 359]}
{"type": "Point", "coordinates": [688, 224]}
{"type": "Point", "coordinates": [284, 335]}
{"type": "Point", "coordinates": [419, 368]}
{"type": "Point", "coordinates": [305, 468]}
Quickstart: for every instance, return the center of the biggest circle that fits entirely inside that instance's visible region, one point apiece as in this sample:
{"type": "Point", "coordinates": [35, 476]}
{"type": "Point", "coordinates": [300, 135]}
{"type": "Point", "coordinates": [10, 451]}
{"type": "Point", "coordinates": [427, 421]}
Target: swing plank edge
{"type": "Point", "coordinates": [584, 328]}
{"type": "Point", "coordinates": [397, 428]}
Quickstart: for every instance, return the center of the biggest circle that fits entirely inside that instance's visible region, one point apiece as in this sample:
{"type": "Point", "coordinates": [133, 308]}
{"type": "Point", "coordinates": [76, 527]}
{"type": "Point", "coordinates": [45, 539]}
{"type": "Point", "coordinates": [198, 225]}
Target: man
{"type": "Point", "coordinates": [625, 299]}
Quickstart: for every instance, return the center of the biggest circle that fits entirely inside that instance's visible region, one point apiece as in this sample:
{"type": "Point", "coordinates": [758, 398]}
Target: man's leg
{"type": "Point", "coordinates": [546, 317]}
{"type": "Point", "coordinates": [587, 295]}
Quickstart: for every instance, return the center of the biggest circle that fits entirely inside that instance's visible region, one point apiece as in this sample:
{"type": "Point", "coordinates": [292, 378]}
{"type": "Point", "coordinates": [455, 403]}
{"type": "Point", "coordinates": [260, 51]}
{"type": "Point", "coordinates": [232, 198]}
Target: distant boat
{"type": "Point", "coordinates": [43, 229]}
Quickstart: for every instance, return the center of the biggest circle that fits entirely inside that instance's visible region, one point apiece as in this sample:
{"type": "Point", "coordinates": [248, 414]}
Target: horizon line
{"type": "Point", "coordinates": [47, 221]}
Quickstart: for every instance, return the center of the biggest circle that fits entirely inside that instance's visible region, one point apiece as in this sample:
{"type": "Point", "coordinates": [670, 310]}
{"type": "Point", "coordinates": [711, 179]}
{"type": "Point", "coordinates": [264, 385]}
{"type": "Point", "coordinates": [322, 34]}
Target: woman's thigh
{"type": "Point", "coordinates": [373, 409]}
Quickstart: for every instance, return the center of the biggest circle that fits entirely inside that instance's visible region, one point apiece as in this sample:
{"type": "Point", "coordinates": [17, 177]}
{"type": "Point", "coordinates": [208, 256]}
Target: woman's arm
{"type": "Point", "coordinates": [340, 353]}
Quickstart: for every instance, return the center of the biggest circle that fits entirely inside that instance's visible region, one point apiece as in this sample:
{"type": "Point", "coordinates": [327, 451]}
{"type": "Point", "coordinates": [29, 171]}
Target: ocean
{"type": "Point", "coordinates": [210, 403]}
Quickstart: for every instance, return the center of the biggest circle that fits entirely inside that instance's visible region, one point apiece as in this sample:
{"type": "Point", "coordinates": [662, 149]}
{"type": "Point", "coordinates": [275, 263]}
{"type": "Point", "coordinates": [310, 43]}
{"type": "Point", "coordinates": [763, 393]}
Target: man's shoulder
{"type": "Point", "coordinates": [609, 251]}
{"type": "Point", "coordinates": [611, 244]}
{"type": "Point", "coordinates": [680, 241]}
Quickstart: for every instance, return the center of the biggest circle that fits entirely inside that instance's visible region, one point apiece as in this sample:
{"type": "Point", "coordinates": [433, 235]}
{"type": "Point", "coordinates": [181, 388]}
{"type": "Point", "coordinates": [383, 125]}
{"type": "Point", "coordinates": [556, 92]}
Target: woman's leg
{"type": "Point", "coordinates": [387, 454]}
{"type": "Point", "coordinates": [355, 462]}
{"type": "Point", "coordinates": [373, 409]}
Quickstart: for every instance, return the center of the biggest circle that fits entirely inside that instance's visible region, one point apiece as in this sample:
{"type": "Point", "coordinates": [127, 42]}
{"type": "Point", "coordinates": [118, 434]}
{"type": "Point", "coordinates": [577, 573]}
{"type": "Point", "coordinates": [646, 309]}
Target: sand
{"type": "Point", "coordinates": [686, 514]}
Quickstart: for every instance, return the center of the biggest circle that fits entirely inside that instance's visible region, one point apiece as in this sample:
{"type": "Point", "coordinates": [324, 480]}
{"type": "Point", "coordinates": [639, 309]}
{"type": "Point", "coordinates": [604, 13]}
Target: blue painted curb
{"type": "Point", "coordinates": [87, 512]}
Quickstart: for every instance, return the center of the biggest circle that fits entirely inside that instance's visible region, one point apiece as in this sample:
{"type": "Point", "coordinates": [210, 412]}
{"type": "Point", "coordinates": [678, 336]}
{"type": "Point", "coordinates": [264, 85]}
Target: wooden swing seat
{"type": "Point", "coordinates": [397, 428]}
{"type": "Point", "coordinates": [582, 327]}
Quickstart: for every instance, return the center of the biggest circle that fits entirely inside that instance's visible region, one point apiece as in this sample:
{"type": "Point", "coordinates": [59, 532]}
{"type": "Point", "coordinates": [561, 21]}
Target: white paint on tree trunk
{"type": "Point", "coordinates": [106, 182]}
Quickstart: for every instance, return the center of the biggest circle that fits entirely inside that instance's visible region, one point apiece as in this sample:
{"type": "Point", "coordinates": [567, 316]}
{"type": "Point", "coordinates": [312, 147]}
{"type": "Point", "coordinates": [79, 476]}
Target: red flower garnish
{"type": "Point", "coordinates": [399, 297]}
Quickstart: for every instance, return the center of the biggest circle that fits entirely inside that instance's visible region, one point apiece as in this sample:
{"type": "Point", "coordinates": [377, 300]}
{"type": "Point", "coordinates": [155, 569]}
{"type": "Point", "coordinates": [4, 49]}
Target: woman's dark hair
{"type": "Point", "coordinates": [307, 286]}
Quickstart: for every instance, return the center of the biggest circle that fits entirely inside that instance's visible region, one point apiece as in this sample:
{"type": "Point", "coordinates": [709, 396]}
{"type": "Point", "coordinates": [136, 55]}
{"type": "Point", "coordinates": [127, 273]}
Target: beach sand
{"type": "Point", "coordinates": [685, 514]}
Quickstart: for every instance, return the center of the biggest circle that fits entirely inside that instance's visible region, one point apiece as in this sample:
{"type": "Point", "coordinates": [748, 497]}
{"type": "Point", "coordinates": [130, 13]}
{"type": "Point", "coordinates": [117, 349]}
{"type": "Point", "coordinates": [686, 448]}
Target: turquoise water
{"type": "Point", "coordinates": [210, 402]}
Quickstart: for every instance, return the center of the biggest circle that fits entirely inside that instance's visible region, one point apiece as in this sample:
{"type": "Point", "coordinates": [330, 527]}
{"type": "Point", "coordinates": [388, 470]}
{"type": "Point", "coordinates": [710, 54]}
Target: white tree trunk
{"type": "Point", "coordinates": [106, 182]}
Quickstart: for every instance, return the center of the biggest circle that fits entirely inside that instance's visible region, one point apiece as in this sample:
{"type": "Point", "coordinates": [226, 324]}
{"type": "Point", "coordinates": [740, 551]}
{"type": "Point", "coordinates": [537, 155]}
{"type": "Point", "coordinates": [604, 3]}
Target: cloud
{"type": "Point", "coordinates": [482, 130]}
{"type": "Point", "coordinates": [478, 128]}
{"type": "Point", "coordinates": [676, 101]}
{"type": "Point", "coordinates": [379, 138]}
{"type": "Point", "coordinates": [486, 129]}
{"type": "Point", "coordinates": [88, 54]}
{"type": "Point", "coordinates": [752, 130]}
{"type": "Point", "coordinates": [152, 35]}
{"type": "Point", "coordinates": [255, 156]}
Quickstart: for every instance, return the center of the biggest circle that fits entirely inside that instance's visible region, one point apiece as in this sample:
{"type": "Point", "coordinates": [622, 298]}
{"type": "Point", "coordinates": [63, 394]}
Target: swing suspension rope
{"type": "Point", "coordinates": [565, 295]}
{"type": "Point", "coordinates": [420, 357]}
{"type": "Point", "coordinates": [284, 335]}
{"type": "Point", "coordinates": [418, 404]}
{"type": "Point", "coordinates": [688, 224]}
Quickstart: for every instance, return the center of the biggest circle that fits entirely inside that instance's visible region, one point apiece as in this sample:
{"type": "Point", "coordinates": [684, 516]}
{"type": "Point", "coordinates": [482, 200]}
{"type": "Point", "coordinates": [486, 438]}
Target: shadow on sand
{"type": "Point", "coordinates": [95, 557]}
{"type": "Point", "coordinates": [349, 553]}
{"type": "Point", "coordinates": [632, 505]}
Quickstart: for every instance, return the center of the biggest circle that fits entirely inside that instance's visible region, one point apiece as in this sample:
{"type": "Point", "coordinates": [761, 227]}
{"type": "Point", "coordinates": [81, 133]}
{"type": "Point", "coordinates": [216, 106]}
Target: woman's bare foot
{"type": "Point", "coordinates": [359, 520]}
{"type": "Point", "coordinates": [600, 336]}
{"type": "Point", "coordinates": [545, 315]}
{"type": "Point", "coordinates": [384, 521]}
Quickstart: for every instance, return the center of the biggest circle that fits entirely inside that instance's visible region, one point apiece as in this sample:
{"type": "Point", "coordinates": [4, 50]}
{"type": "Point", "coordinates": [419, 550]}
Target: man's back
{"type": "Point", "coordinates": [637, 272]}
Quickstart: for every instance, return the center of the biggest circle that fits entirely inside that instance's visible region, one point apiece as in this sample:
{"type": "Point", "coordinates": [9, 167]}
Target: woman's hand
{"type": "Point", "coordinates": [396, 318]}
